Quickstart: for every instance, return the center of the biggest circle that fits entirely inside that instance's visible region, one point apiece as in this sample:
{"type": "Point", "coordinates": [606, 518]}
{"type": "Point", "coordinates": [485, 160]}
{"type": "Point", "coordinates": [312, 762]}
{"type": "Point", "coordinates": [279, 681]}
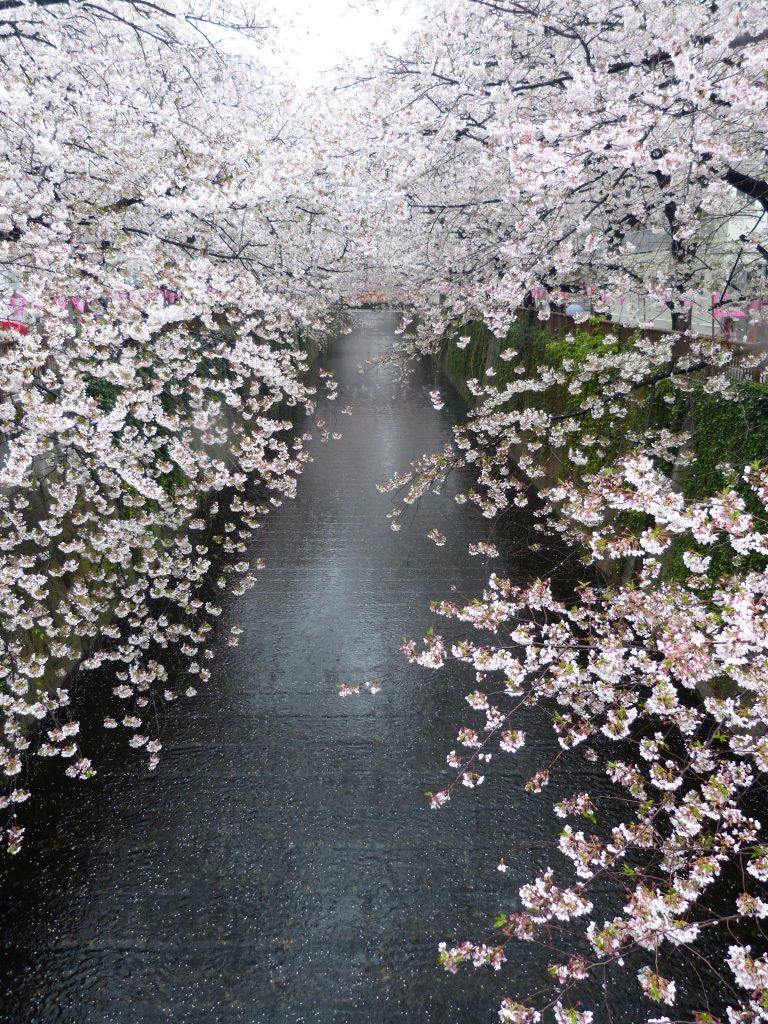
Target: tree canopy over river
{"type": "Point", "coordinates": [566, 205]}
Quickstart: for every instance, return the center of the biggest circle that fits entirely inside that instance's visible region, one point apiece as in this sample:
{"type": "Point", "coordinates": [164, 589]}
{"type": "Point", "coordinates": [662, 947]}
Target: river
{"type": "Point", "coordinates": [282, 864]}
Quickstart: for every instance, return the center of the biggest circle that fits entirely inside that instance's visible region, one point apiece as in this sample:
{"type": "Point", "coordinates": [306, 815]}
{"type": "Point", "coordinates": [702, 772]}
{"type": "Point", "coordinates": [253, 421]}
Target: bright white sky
{"type": "Point", "coordinates": [319, 34]}
{"type": "Point", "coordinates": [316, 35]}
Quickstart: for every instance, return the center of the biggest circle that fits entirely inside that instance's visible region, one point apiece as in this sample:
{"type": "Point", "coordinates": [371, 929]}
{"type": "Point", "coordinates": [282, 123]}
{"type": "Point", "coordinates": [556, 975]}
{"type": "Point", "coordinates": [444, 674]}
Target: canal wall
{"type": "Point", "coordinates": [722, 431]}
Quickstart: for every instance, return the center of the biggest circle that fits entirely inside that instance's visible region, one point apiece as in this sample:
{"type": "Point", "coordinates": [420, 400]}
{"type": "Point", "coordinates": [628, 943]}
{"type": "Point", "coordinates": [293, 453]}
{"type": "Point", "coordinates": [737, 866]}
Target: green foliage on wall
{"type": "Point", "coordinates": [726, 434]}
{"type": "Point", "coordinates": [104, 391]}
{"type": "Point", "coordinates": [462, 364]}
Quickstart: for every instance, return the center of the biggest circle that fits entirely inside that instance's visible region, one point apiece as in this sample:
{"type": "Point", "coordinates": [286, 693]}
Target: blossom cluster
{"type": "Point", "coordinates": [675, 673]}
{"type": "Point", "coordinates": [147, 431]}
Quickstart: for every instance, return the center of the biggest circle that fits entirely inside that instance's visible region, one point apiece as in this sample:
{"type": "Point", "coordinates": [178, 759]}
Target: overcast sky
{"type": "Point", "coordinates": [316, 35]}
{"type": "Point", "coordinates": [328, 32]}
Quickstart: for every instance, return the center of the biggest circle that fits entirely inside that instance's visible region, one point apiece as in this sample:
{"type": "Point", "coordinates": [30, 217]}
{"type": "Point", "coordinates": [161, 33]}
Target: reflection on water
{"type": "Point", "coordinates": [282, 865]}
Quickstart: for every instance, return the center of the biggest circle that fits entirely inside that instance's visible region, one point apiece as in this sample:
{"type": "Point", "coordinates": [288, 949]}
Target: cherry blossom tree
{"type": "Point", "coordinates": [528, 148]}
{"type": "Point", "coordinates": [158, 235]}
{"type": "Point", "coordinates": [554, 137]}
{"type": "Point", "coordinates": [173, 221]}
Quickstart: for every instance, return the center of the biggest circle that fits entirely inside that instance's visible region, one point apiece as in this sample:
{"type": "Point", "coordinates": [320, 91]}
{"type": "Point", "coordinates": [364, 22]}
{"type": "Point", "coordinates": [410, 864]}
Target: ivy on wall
{"type": "Point", "coordinates": [726, 434]}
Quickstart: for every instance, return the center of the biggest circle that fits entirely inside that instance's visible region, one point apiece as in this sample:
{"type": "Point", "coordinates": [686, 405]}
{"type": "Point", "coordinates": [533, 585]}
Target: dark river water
{"type": "Point", "coordinates": [282, 864]}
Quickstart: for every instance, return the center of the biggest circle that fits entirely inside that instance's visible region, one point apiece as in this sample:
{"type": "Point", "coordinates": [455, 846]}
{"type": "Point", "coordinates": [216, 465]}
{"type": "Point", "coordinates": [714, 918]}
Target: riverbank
{"type": "Point", "coordinates": [724, 431]}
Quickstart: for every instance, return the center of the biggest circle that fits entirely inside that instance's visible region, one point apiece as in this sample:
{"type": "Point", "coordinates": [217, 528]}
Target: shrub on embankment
{"type": "Point", "coordinates": [716, 433]}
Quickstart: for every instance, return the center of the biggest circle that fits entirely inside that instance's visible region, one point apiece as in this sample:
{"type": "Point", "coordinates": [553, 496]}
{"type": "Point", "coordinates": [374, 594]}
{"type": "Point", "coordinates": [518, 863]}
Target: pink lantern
{"type": "Point", "coordinates": [14, 325]}
{"type": "Point", "coordinates": [724, 313]}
